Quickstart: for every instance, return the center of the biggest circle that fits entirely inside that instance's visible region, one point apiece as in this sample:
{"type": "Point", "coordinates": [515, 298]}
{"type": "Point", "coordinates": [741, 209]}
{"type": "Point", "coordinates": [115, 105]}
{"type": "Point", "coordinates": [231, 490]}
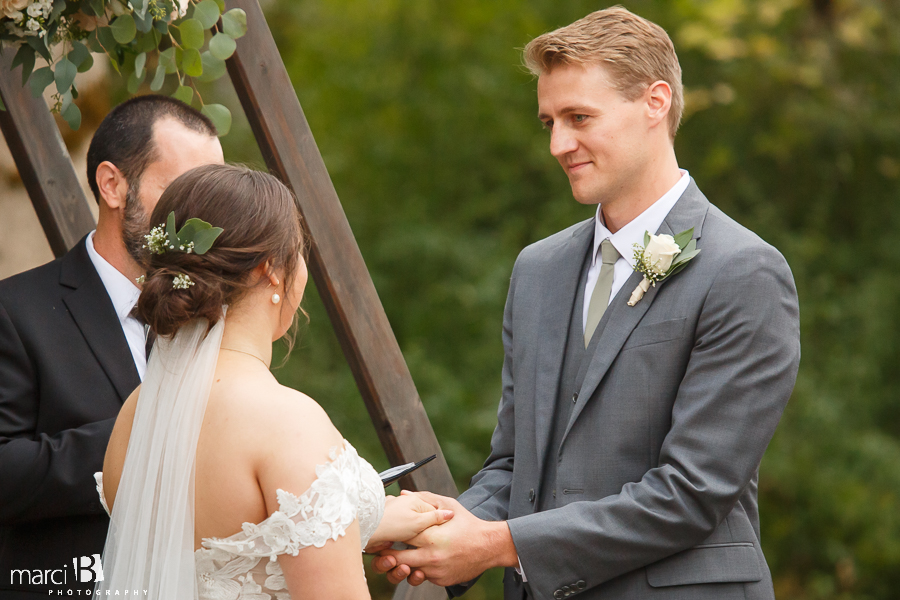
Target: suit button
{"type": "Point", "coordinates": [531, 495]}
{"type": "Point", "coordinates": [566, 590]}
{"type": "Point", "coordinates": [554, 493]}
{"type": "Point", "coordinates": [580, 584]}
{"type": "Point", "coordinates": [575, 397]}
{"type": "Point", "coordinates": [559, 594]}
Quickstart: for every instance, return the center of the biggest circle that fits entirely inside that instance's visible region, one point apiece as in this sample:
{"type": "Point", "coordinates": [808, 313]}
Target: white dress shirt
{"type": "Point", "coordinates": [124, 295]}
{"type": "Point", "coordinates": [624, 239]}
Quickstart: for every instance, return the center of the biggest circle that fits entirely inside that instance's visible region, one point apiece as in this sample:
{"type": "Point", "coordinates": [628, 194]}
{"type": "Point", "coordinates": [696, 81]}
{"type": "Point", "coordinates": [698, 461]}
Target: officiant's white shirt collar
{"type": "Point", "coordinates": [633, 232]}
{"type": "Point", "coordinates": [124, 295]}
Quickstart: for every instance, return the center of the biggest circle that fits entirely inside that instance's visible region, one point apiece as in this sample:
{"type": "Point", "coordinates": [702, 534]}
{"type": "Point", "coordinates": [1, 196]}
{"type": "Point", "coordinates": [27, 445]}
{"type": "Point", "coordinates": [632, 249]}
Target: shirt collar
{"type": "Point", "coordinates": [633, 232]}
{"type": "Point", "coordinates": [122, 291]}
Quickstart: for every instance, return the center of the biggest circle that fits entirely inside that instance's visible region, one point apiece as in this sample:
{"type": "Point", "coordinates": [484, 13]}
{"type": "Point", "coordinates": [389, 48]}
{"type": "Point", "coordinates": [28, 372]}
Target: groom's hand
{"type": "Point", "coordinates": [457, 551]}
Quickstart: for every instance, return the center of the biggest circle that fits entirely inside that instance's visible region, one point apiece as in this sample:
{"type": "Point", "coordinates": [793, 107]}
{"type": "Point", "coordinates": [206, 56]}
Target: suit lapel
{"type": "Point", "coordinates": [560, 283]}
{"type": "Point", "coordinates": [620, 319]}
{"type": "Point", "coordinates": [96, 318]}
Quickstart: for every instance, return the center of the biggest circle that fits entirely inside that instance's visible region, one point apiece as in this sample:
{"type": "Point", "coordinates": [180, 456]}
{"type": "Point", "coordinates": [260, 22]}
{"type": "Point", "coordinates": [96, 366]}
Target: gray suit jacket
{"type": "Point", "coordinates": [657, 471]}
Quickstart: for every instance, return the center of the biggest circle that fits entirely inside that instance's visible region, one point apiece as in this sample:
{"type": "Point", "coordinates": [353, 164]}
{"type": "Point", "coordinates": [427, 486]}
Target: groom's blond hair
{"type": "Point", "coordinates": [635, 53]}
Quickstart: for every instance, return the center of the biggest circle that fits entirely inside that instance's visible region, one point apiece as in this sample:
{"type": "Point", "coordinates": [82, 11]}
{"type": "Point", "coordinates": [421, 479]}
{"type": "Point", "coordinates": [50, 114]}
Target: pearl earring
{"type": "Point", "coordinates": [276, 298]}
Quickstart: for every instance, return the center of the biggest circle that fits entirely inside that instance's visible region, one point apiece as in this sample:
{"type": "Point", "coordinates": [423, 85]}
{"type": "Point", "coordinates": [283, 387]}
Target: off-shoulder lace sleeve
{"type": "Point", "coordinates": [321, 513]}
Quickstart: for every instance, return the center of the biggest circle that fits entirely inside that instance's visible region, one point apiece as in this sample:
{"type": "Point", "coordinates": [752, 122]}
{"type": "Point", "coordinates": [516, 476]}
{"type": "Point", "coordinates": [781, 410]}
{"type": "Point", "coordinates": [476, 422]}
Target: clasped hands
{"type": "Point", "coordinates": [450, 544]}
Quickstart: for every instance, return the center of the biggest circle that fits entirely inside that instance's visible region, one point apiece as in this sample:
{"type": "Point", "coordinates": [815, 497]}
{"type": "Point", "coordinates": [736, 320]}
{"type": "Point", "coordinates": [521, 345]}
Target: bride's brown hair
{"type": "Point", "coordinates": [261, 223]}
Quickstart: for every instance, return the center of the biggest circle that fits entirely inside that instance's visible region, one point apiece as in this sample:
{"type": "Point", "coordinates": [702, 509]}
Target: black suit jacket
{"type": "Point", "coordinates": [65, 370]}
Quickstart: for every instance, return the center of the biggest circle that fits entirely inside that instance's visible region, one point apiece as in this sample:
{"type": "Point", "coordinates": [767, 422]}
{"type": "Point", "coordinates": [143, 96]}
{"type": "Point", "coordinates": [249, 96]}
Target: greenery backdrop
{"type": "Point", "coordinates": [427, 124]}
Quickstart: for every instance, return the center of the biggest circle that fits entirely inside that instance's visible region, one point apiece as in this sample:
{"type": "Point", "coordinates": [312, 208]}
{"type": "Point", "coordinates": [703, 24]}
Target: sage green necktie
{"type": "Point", "coordinates": [600, 295]}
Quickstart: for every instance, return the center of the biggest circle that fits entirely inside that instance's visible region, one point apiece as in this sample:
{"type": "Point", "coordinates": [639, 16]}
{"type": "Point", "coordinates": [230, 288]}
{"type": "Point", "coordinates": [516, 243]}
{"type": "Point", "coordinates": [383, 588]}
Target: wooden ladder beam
{"type": "Point", "coordinates": [43, 161]}
{"type": "Point", "coordinates": [357, 315]}
{"type": "Point", "coordinates": [282, 132]}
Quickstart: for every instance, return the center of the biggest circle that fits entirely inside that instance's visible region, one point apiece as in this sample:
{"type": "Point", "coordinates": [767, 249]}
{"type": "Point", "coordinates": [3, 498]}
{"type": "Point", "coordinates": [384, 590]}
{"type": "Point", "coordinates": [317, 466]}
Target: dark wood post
{"type": "Point", "coordinates": [43, 161]}
{"type": "Point", "coordinates": [287, 144]}
{"type": "Point", "coordinates": [284, 137]}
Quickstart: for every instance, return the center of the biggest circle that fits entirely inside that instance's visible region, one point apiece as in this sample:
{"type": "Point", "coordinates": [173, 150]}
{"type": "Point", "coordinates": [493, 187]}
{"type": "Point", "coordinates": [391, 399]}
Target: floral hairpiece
{"type": "Point", "coordinates": [196, 236]}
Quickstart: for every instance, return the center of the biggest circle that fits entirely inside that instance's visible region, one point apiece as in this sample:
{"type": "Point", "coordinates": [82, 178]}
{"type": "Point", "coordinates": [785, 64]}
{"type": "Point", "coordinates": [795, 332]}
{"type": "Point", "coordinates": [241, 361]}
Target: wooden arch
{"type": "Point", "coordinates": [290, 152]}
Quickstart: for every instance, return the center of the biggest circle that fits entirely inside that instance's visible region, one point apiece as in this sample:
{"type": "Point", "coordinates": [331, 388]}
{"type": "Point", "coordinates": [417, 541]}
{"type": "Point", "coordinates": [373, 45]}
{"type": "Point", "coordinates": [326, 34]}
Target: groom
{"type": "Point", "coordinates": [625, 460]}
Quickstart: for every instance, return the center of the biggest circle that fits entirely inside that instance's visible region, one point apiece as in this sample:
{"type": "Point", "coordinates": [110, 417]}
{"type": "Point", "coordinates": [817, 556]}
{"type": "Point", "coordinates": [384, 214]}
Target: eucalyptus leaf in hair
{"type": "Point", "coordinates": [195, 236]}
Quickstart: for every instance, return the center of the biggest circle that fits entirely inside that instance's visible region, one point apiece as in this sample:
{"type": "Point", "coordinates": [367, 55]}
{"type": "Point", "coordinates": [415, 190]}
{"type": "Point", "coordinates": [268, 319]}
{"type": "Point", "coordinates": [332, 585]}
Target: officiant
{"type": "Point", "coordinates": [71, 351]}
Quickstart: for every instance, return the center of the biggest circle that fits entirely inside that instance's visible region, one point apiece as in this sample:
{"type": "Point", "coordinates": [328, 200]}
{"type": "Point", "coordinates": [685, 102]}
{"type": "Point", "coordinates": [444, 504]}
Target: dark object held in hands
{"type": "Point", "coordinates": [394, 473]}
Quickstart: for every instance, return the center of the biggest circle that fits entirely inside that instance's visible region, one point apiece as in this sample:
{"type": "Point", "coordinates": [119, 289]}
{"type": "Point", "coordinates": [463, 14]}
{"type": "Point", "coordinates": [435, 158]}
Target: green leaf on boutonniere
{"type": "Point", "coordinates": [684, 237]}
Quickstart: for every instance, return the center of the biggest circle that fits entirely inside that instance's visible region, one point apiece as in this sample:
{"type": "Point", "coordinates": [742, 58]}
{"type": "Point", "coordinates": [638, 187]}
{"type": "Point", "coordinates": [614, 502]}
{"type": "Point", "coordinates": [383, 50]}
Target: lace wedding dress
{"type": "Point", "coordinates": [150, 542]}
{"type": "Point", "coordinates": [244, 566]}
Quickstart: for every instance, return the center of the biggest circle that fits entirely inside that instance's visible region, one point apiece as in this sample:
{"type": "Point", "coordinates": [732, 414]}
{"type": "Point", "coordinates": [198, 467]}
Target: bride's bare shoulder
{"type": "Point", "coordinates": [269, 415]}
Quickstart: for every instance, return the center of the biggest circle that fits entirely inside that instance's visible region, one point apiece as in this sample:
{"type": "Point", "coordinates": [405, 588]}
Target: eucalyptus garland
{"type": "Point", "coordinates": [185, 40]}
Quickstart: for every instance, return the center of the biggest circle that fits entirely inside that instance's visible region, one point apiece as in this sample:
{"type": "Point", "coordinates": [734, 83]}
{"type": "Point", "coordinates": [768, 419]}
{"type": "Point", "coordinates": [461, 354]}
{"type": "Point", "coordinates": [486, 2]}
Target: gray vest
{"type": "Point", "coordinates": [574, 368]}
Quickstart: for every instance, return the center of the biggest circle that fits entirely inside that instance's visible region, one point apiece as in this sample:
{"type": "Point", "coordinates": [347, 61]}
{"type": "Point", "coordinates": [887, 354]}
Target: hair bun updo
{"type": "Point", "coordinates": [260, 222]}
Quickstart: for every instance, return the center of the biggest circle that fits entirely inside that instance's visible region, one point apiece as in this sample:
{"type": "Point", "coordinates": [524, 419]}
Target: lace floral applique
{"type": "Point", "coordinates": [322, 513]}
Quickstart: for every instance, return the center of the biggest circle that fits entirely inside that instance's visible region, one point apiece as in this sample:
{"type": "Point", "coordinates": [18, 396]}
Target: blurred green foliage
{"type": "Point", "coordinates": [427, 123]}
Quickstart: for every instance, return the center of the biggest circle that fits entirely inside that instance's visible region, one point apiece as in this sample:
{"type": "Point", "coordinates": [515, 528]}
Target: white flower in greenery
{"type": "Point", "coordinates": [8, 7]}
{"type": "Point", "coordinates": [660, 252]}
{"type": "Point", "coordinates": [32, 25]}
{"type": "Point", "coordinates": [660, 257]}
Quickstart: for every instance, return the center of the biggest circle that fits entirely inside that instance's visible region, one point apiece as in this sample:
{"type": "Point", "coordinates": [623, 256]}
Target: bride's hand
{"type": "Point", "coordinates": [405, 517]}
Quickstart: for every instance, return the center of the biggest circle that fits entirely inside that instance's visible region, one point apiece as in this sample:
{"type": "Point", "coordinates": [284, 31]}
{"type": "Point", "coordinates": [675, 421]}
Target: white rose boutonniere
{"type": "Point", "coordinates": [660, 257]}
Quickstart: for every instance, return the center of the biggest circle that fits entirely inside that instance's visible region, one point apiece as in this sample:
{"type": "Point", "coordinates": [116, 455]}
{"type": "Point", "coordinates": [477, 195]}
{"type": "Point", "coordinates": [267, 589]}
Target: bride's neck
{"type": "Point", "coordinates": [248, 330]}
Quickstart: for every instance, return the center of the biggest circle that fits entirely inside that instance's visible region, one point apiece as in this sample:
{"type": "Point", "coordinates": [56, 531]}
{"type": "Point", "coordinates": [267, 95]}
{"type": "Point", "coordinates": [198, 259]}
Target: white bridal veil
{"type": "Point", "coordinates": [150, 544]}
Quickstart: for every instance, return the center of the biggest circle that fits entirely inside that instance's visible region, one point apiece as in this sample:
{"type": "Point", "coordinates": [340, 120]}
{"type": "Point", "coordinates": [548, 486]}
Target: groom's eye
{"type": "Point", "coordinates": [547, 125]}
{"type": "Point", "coordinates": [579, 119]}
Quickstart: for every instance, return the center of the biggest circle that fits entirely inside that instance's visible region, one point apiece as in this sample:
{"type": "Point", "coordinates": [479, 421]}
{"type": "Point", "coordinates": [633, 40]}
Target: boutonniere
{"type": "Point", "coordinates": [660, 257]}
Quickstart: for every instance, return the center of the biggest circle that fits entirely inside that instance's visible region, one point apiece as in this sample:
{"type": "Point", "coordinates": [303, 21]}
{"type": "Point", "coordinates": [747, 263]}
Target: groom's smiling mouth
{"type": "Point", "coordinates": [576, 167]}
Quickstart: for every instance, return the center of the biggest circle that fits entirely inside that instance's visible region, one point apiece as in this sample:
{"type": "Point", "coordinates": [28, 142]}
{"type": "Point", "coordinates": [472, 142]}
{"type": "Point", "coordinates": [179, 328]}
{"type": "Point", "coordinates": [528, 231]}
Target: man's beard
{"type": "Point", "coordinates": [135, 225]}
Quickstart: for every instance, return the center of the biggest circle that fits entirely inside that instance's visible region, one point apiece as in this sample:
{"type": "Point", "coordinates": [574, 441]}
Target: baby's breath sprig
{"type": "Point", "coordinates": [157, 241]}
{"type": "Point", "coordinates": [644, 266]}
{"type": "Point", "coordinates": [181, 282]}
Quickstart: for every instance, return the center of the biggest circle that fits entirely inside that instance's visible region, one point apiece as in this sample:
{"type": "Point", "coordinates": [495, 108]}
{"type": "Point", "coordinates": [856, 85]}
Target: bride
{"type": "Point", "coordinates": [223, 484]}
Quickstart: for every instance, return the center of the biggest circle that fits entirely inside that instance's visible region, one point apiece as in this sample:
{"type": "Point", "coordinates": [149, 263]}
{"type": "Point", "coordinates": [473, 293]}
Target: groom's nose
{"type": "Point", "coordinates": [562, 141]}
